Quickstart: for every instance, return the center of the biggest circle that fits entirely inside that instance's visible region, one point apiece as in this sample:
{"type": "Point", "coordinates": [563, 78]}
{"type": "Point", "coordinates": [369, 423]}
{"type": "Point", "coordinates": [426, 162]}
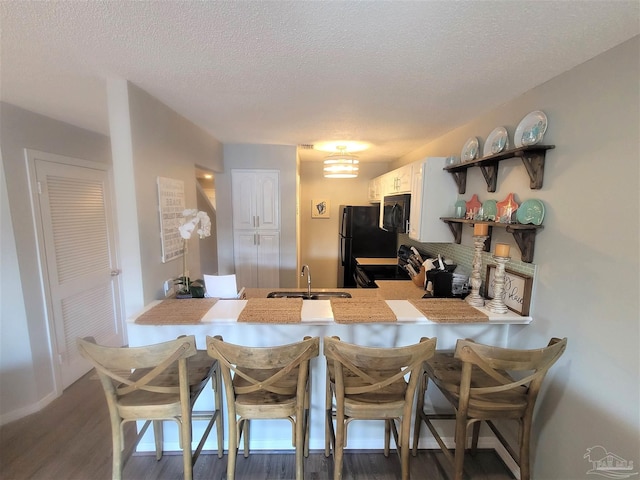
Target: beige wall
{"type": "Point", "coordinates": [319, 237]}
{"type": "Point", "coordinates": [587, 255]}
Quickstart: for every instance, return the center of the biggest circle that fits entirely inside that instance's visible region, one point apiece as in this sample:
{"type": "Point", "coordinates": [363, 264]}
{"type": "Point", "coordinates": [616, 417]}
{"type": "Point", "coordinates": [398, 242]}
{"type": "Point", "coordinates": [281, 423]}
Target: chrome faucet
{"type": "Point", "coordinates": [308, 278]}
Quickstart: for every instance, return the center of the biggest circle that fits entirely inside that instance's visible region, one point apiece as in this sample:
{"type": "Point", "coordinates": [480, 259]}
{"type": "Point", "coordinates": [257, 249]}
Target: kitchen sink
{"type": "Point", "coordinates": [306, 296]}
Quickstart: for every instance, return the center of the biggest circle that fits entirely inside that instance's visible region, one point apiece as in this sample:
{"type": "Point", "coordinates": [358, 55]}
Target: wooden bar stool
{"type": "Point", "coordinates": [485, 383]}
{"type": "Point", "coordinates": [266, 383]}
{"type": "Point", "coordinates": [368, 383]}
{"type": "Point", "coordinates": [156, 383]}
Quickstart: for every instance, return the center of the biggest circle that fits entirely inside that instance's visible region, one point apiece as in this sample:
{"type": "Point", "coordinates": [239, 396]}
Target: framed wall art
{"type": "Point", "coordinates": [517, 289]}
{"type": "Point", "coordinates": [171, 203]}
{"type": "Point", "coordinates": [320, 208]}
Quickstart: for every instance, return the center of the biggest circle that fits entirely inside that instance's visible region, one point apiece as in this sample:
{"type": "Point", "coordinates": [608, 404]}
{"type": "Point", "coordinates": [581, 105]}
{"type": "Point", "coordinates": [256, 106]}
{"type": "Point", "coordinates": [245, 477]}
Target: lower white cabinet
{"type": "Point", "coordinates": [433, 195]}
{"type": "Point", "coordinates": [257, 258]}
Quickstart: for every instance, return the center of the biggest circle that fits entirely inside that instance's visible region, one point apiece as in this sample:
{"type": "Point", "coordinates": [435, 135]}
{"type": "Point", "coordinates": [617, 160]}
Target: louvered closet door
{"type": "Point", "coordinates": [80, 260]}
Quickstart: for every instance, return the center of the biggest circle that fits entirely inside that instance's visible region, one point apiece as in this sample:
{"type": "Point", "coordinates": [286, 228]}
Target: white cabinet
{"type": "Point", "coordinates": [257, 258]}
{"type": "Point", "coordinates": [399, 180]}
{"type": "Point", "coordinates": [375, 190]}
{"type": "Point", "coordinates": [256, 199]}
{"type": "Point", "coordinates": [256, 224]}
{"type": "Point", "coordinates": [395, 182]}
{"type": "Point", "coordinates": [433, 195]}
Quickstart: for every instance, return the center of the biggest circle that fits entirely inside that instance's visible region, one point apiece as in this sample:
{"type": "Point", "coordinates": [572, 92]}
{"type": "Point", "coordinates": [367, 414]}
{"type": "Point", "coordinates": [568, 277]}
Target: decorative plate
{"type": "Point", "coordinates": [460, 209]}
{"type": "Point", "coordinates": [497, 141]}
{"type": "Point", "coordinates": [473, 206]}
{"type": "Point", "coordinates": [452, 161]}
{"type": "Point", "coordinates": [470, 150]}
{"type": "Point", "coordinates": [531, 129]}
{"type": "Point", "coordinates": [506, 208]}
{"type": "Point", "coordinates": [490, 210]}
{"type": "Point", "coordinates": [531, 211]}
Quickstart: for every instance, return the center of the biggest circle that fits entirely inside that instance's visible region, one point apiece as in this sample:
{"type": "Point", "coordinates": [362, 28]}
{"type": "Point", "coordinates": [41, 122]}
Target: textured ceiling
{"type": "Point", "coordinates": [391, 73]}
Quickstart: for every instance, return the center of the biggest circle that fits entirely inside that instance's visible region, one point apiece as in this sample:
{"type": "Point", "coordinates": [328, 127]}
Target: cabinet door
{"type": "Point", "coordinates": [245, 253]}
{"type": "Point", "coordinates": [268, 260]}
{"type": "Point", "coordinates": [403, 179]}
{"type": "Point", "coordinates": [267, 200]}
{"type": "Point", "coordinates": [243, 193]}
{"type": "Point", "coordinates": [436, 193]}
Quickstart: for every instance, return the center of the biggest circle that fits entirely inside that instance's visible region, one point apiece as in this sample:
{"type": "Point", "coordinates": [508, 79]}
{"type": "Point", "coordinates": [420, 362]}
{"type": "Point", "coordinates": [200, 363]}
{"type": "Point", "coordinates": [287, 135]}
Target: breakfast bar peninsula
{"type": "Point", "coordinates": [393, 315]}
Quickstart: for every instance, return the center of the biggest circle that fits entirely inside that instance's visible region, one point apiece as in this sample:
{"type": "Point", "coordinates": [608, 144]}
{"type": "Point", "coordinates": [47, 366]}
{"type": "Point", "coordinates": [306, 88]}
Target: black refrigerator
{"type": "Point", "coordinates": [360, 236]}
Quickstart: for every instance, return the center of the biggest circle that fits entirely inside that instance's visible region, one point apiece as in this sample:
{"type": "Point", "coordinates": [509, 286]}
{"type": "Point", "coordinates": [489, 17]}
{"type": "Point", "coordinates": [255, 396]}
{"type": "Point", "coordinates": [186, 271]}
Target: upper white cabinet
{"type": "Point", "coordinates": [433, 195]}
{"type": "Point", "coordinates": [256, 199]}
{"type": "Point", "coordinates": [398, 180]}
{"type": "Point", "coordinates": [375, 190]}
{"type": "Point", "coordinates": [395, 182]}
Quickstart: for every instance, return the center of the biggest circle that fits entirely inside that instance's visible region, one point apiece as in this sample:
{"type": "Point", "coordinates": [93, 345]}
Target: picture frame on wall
{"type": "Point", "coordinates": [517, 289]}
{"type": "Point", "coordinates": [320, 208]}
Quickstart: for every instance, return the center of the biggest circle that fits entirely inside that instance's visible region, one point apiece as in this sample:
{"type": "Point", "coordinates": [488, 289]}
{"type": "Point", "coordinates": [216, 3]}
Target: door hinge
{"type": "Point", "coordinates": [60, 359]}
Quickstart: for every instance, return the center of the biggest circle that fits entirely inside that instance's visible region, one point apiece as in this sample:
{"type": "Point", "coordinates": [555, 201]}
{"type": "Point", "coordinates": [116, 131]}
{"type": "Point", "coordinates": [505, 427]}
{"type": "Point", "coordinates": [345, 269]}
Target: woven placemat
{"type": "Point", "coordinates": [175, 311]}
{"type": "Point", "coordinates": [361, 310]}
{"type": "Point", "coordinates": [448, 310]}
{"type": "Point", "coordinates": [272, 310]}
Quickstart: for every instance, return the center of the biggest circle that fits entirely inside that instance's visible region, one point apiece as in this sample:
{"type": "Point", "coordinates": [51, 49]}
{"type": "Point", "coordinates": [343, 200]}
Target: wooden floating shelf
{"type": "Point", "coordinates": [532, 156]}
{"type": "Point", "coordinates": [524, 235]}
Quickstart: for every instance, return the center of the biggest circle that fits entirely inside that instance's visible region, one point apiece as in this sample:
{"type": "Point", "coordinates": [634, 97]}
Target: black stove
{"type": "Point", "coordinates": [366, 275]}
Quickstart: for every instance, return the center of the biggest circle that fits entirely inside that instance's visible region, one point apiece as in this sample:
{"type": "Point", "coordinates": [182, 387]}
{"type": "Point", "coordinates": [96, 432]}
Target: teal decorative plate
{"type": "Point", "coordinates": [531, 211]}
{"type": "Point", "coordinates": [490, 210]}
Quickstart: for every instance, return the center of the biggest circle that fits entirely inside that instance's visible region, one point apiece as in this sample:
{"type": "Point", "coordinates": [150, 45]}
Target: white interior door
{"type": "Point", "coordinates": [81, 275]}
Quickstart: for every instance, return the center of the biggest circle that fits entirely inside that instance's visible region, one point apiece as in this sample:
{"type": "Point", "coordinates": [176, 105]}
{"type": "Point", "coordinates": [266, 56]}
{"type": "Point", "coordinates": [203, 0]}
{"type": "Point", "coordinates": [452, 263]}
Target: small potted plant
{"type": "Point", "coordinates": [201, 223]}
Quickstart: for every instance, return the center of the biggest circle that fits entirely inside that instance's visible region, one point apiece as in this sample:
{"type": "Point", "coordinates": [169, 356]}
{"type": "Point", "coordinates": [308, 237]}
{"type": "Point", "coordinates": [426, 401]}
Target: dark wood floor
{"type": "Point", "coordinates": [71, 439]}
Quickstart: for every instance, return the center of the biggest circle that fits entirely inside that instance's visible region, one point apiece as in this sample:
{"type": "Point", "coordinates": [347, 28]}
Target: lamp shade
{"type": "Point", "coordinates": [341, 165]}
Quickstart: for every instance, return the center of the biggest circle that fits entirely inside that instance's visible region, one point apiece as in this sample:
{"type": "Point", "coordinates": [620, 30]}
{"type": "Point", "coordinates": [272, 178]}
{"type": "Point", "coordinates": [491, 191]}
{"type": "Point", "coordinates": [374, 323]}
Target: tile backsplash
{"type": "Point", "coordinates": [462, 255]}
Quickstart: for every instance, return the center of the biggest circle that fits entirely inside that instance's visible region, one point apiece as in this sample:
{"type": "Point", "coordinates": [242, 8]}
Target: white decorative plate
{"type": "Point", "coordinates": [470, 150]}
{"type": "Point", "coordinates": [497, 141]}
{"type": "Point", "coordinates": [531, 129]}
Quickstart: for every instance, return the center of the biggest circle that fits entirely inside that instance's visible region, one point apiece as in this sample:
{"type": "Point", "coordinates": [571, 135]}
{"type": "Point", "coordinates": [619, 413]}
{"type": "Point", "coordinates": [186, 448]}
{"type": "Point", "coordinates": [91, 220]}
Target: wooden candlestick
{"type": "Point", "coordinates": [475, 299]}
{"type": "Point", "coordinates": [496, 304]}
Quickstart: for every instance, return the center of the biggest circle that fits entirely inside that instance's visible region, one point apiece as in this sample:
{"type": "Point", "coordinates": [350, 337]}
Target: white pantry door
{"type": "Point", "coordinates": [80, 271]}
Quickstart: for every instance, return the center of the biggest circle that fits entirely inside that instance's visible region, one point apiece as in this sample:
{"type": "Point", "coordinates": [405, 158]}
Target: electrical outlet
{"type": "Point", "coordinates": [168, 287]}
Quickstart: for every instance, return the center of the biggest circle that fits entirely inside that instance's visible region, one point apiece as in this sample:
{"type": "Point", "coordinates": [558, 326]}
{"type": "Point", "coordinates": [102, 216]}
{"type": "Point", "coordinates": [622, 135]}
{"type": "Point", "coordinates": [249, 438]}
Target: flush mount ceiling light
{"type": "Point", "coordinates": [341, 164]}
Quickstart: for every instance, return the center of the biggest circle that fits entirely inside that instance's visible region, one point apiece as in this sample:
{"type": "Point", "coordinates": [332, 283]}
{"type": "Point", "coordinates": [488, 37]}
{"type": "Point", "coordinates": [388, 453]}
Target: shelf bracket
{"type": "Point", "coordinates": [456, 230]}
{"type": "Point", "coordinates": [490, 173]}
{"type": "Point", "coordinates": [526, 240]}
{"type": "Point", "coordinates": [461, 181]}
{"type": "Point", "coordinates": [534, 163]}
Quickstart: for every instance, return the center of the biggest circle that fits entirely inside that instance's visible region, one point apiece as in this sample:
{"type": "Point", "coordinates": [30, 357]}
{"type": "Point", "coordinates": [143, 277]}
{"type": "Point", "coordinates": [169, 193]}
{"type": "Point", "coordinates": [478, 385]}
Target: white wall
{"type": "Point", "coordinates": [319, 244]}
{"type": "Point", "coordinates": [587, 255]}
{"type": "Point", "coordinates": [274, 157]}
{"type": "Point", "coordinates": [25, 343]}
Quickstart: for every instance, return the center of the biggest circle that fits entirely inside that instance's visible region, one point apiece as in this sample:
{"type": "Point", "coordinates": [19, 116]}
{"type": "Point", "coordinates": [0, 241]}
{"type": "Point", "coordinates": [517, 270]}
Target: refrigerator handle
{"type": "Point", "coordinates": [342, 241]}
{"type": "Point", "coordinates": [343, 222]}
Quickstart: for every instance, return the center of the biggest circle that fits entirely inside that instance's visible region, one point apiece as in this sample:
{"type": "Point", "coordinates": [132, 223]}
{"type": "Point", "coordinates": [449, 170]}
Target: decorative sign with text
{"type": "Point", "coordinates": [171, 201]}
{"type": "Point", "coordinates": [517, 289]}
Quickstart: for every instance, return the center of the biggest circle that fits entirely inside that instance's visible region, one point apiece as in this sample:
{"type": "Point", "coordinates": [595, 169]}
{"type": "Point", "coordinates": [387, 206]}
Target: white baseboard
{"type": "Point", "coordinates": [17, 414]}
